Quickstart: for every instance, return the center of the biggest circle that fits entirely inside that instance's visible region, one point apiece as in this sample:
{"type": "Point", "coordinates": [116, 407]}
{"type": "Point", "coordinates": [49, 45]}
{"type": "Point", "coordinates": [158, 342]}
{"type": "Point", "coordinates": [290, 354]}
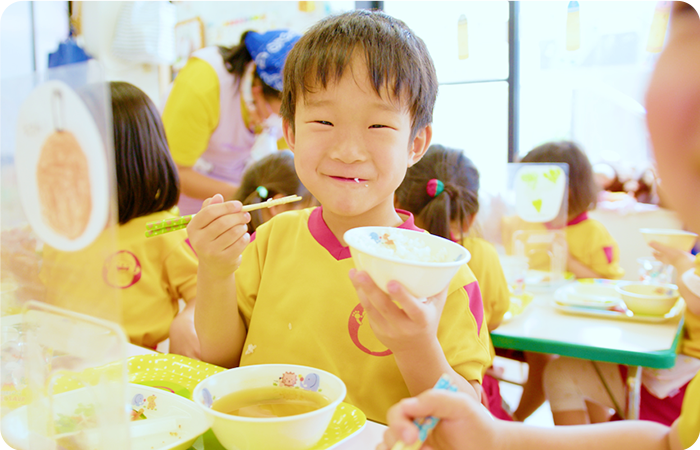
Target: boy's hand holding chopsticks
{"type": "Point", "coordinates": [178, 223]}
{"type": "Point", "coordinates": [218, 234]}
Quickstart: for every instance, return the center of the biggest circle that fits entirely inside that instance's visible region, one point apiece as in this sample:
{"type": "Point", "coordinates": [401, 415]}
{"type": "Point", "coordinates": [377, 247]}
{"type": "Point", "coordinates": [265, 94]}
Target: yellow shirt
{"type": "Point", "coordinates": [147, 275]}
{"type": "Point", "coordinates": [191, 112]}
{"type": "Point", "coordinates": [487, 269]}
{"type": "Point", "coordinates": [587, 240]}
{"type": "Point", "coordinates": [299, 307]}
{"type": "Point", "coordinates": [689, 420]}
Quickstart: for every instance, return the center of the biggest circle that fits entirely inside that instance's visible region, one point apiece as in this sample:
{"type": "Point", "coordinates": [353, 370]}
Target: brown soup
{"type": "Point", "coordinates": [270, 401]}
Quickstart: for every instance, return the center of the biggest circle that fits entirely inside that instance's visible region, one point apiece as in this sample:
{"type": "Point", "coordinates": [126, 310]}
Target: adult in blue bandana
{"type": "Point", "coordinates": [222, 113]}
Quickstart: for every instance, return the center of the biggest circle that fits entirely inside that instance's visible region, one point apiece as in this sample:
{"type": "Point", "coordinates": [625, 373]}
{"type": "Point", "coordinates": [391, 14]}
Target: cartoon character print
{"type": "Point", "coordinates": [151, 400]}
{"type": "Point", "coordinates": [362, 335]}
{"type": "Point", "coordinates": [121, 270]}
{"type": "Point", "coordinates": [288, 379]}
{"type": "Point", "coordinates": [207, 398]}
{"type": "Point", "coordinates": [311, 382]}
{"type": "Point", "coordinates": [384, 239]}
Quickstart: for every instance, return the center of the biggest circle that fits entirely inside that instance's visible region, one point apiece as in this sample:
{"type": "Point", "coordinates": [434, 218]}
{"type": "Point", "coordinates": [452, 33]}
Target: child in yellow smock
{"type": "Point", "coordinates": [359, 91]}
{"type": "Point", "coordinates": [442, 191]}
{"type": "Point", "coordinates": [147, 275]}
{"type": "Point", "coordinates": [592, 251]}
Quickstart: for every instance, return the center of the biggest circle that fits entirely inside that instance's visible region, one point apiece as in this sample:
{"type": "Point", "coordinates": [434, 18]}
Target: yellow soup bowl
{"type": "Point", "coordinates": [649, 299]}
{"type": "Point", "coordinates": [678, 239]}
{"type": "Point", "coordinates": [294, 432]}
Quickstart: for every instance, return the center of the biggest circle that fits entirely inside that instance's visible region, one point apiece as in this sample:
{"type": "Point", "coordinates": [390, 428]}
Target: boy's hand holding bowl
{"type": "Point", "coordinates": [410, 268]}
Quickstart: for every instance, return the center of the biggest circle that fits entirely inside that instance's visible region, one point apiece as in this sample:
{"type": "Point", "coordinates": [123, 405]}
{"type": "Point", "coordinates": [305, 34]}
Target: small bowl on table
{"type": "Point", "coordinates": [678, 239]}
{"type": "Point", "coordinates": [648, 299]}
{"type": "Point", "coordinates": [257, 427]}
{"type": "Point", "coordinates": [423, 263]}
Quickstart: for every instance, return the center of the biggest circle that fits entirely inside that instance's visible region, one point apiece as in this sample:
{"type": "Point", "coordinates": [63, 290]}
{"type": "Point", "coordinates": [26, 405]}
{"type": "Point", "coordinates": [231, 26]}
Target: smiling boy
{"type": "Point", "coordinates": [357, 107]}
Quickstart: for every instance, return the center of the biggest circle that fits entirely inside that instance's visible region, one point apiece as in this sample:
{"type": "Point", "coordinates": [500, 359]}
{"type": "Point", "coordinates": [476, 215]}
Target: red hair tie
{"type": "Point", "coordinates": [435, 187]}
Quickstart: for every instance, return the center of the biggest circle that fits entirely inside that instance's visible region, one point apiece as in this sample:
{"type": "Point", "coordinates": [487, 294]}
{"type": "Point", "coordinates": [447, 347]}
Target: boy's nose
{"type": "Point", "coordinates": [348, 149]}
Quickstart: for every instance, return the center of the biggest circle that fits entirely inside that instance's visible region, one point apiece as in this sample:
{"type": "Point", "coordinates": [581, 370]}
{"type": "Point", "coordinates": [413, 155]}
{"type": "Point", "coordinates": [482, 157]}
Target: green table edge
{"type": "Point", "coordinates": [662, 359]}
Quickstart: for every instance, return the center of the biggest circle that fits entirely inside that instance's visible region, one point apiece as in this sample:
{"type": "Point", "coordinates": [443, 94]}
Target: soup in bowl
{"type": "Point", "coordinates": [270, 406]}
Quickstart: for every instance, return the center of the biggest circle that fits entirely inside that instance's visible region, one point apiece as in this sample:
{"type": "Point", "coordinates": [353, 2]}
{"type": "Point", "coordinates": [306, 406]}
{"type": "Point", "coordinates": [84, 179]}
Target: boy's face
{"type": "Point", "coordinates": [673, 114]}
{"type": "Point", "coordinates": [352, 148]}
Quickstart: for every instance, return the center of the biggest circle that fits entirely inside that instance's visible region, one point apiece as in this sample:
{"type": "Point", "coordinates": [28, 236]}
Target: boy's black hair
{"type": "Point", "coordinates": [396, 59]}
{"type": "Point", "coordinates": [147, 178]}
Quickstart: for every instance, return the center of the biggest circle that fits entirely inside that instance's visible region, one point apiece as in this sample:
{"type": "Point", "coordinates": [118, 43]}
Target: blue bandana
{"type": "Point", "coordinates": [269, 50]}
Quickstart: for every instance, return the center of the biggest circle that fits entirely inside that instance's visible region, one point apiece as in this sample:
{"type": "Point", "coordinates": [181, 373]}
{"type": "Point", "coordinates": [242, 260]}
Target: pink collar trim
{"type": "Point", "coordinates": [325, 237]}
{"type": "Point", "coordinates": [578, 219]}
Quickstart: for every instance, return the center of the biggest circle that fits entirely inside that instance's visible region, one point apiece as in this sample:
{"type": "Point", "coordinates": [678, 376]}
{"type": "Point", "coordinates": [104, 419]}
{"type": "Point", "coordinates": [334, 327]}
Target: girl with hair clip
{"type": "Point", "coordinates": [149, 275]}
{"type": "Point", "coordinates": [442, 191]}
{"type": "Point", "coordinates": [272, 177]}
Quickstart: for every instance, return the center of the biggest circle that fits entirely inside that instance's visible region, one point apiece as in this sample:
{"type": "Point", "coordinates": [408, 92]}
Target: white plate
{"type": "Point", "coordinates": [35, 124]}
{"type": "Point", "coordinates": [591, 293]}
{"type": "Point", "coordinates": [172, 422]}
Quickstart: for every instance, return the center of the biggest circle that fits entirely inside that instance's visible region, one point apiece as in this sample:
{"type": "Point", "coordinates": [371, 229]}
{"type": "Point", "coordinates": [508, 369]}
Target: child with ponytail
{"type": "Point", "coordinates": [442, 191]}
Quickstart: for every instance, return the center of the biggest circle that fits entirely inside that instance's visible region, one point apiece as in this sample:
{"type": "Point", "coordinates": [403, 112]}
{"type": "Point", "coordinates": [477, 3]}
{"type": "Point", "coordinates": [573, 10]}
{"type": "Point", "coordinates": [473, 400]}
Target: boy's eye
{"type": "Point", "coordinates": [378, 126]}
{"type": "Point", "coordinates": [323, 122]}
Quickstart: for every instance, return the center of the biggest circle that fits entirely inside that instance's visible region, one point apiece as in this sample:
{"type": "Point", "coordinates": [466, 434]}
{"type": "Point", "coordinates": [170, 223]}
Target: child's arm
{"type": "Point", "coordinates": [579, 269]}
{"type": "Point", "coordinates": [410, 332]}
{"type": "Point", "coordinates": [466, 424]}
{"type": "Point", "coordinates": [183, 336]}
{"type": "Point", "coordinates": [218, 234]}
{"type": "Point", "coordinates": [682, 262]}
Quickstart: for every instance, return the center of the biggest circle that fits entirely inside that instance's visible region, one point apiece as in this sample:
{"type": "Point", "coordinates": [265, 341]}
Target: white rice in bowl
{"type": "Point", "coordinates": [397, 245]}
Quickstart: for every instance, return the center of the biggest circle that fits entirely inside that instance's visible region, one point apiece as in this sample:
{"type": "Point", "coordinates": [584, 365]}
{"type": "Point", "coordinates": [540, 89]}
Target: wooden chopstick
{"type": "Point", "coordinates": [165, 226]}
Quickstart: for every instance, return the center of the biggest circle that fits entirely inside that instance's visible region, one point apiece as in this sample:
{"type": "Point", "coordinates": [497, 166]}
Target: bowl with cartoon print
{"type": "Point", "coordinates": [421, 262]}
{"type": "Point", "coordinates": [257, 400]}
{"type": "Point", "coordinates": [646, 299]}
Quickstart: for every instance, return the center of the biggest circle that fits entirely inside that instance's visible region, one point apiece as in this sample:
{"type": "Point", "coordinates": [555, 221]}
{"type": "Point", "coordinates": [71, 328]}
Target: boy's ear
{"type": "Point", "coordinates": [420, 145]}
{"type": "Point", "coordinates": [288, 134]}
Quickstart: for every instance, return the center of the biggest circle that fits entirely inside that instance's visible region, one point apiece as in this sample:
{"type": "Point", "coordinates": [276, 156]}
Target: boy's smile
{"type": "Point", "coordinates": [352, 149]}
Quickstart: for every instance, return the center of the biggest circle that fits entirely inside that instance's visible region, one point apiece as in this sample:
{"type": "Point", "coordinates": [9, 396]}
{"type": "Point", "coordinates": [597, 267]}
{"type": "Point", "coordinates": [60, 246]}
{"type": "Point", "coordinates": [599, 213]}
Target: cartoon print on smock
{"type": "Point", "coordinates": [121, 270]}
{"type": "Point", "coordinates": [362, 335]}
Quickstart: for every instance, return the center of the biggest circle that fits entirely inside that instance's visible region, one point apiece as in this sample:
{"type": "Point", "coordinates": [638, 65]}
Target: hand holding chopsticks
{"type": "Point", "coordinates": [426, 425]}
{"type": "Point", "coordinates": [178, 223]}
